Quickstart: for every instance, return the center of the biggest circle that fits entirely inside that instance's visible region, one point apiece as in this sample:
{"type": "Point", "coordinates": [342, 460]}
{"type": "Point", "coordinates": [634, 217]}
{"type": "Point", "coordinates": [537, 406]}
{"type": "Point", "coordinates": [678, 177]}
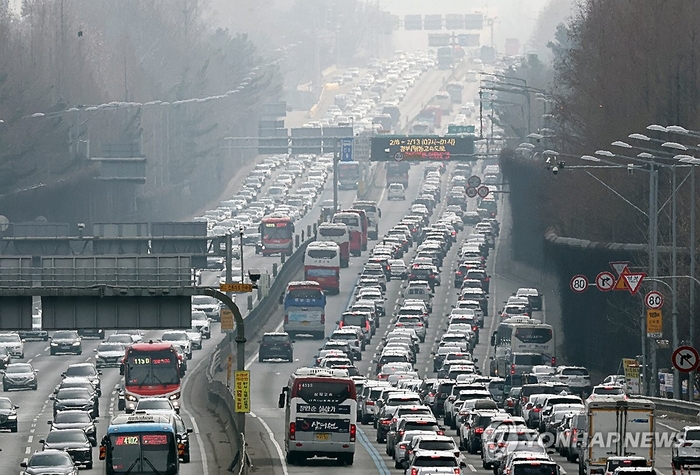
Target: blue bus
{"type": "Point", "coordinates": [142, 445]}
{"type": "Point", "coordinates": [305, 309]}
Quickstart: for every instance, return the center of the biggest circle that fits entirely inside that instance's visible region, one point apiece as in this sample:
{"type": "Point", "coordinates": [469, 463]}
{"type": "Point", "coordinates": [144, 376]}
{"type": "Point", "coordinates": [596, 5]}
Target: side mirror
{"type": "Point", "coordinates": [190, 430]}
{"type": "Point", "coordinates": [52, 397]}
{"type": "Point", "coordinates": [23, 464]}
{"type": "Point", "coordinates": [42, 441]}
{"type": "Point", "coordinates": [99, 372]}
{"type": "Point", "coordinates": [281, 401]}
{"type": "Point", "coordinates": [94, 350]}
{"type": "Point", "coordinates": [49, 422]}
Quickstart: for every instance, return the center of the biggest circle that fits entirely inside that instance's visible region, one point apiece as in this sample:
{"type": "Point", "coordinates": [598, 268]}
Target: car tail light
{"type": "Point", "coordinates": [687, 444]}
{"type": "Point", "coordinates": [479, 430]}
{"type": "Point", "coordinates": [419, 324]}
{"type": "Point", "coordinates": [286, 319]}
{"type": "Point", "coordinates": [432, 276]}
{"type": "Point", "coordinates": [501, 444]}
{"type": "Point", "coordinates": [385, 422]}
{"type": "Point", "coordinates": [401, 433]}
{"type": "Point", "coordinates": [492, 446]}
{"type": "Point", "coordinates": [369, 403]}
{"type": "Point", "coordinates": [512, 369]}
{"type": "Point", "coordinates": [414, 471]}
{"type": "Point", "coordinates": [323, 318]}
{"type": "Point", "coordinates": [292, 431]}
{"type": "Point", "coordinates": [458, 273]}
{"type": "Point", "coordinates": [402, 446]}
{"type": "Point", "coordinates": [486, 279]}
{"type": "Point", "coordinates": [456, 470]}
{"type": "Point", "coordinates": [554, 360]}
{"type": "Point", "coordinates": [440, 432]}
{"type": "Point", "coordinates": [536, 409]}
{"type": "Point", "coordinates": [353, 432]}
{"type": "Point", "coordinates": [475, 327]}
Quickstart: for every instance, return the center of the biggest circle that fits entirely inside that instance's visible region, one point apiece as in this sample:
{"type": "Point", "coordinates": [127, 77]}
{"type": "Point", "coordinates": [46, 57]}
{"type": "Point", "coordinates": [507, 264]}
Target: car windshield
{"type": "Point", "coordinates": [9, 338]}
{"type": "Point", "coordinates": [174, 337]}
{"type": "Point", "coordinates": [80, 371]}
{"type": "Point", "coordinates": [19, 368]}
{"type": "Point", "coordinates": [60, 436]}
{"type": "Point", "coordinates": [69, 417]}
{"type": "Point", "coordinates": [6, 404]}
{"type": "Point", "coordinates": [73, 393]}
{"type": "Point", "coordinates": [110, 347]}
{"type": "Point", "coordinates": [203, 300]}
{"type": "Point", "coordinates": [154, 404]}
{"type": "Point", "coordinates": [65, 335]}
{"type": "Point", "coordinates": [535, 468]}
{"type": "Point", "coordinates": [436, 445]}
{"type": "Point", "coordinates": [50, 459]}
{"type": "Point", "coordinates": [608, 391]}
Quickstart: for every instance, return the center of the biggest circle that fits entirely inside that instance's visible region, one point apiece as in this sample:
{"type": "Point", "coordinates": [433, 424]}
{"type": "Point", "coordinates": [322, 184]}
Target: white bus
{"type": "Point", "coordinates": [524, 337]}
{"type": "Point", "coordinates": [337, 233]}
{"type": "Point", "coordinates": [322, 265]}
{"type": "Point", "coordinates": [320, 413]}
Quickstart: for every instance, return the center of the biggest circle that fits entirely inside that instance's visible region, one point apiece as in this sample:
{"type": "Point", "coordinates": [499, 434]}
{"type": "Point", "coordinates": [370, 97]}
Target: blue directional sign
{"type": "Point", "coordinates": [346, 150]}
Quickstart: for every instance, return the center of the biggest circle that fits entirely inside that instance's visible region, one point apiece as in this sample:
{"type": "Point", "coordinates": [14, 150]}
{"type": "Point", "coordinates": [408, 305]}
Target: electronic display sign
{"type": "Point", "coordinates": [408, 148]}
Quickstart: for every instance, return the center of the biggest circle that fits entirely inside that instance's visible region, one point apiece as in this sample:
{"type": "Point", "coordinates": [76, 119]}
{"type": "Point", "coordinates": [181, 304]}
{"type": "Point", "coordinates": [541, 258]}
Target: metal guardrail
{"type": "Point", "coordinates": [677, 407]}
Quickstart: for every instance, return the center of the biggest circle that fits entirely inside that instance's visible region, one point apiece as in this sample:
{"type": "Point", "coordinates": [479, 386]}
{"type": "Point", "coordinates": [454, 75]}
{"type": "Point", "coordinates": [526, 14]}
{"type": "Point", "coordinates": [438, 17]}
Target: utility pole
{"type": "Point", "coordinates": [674, 284]}
{"type": "Point", "coordinates": [335, 175]}
{"type": "Point", "coordinates": [693, 198]}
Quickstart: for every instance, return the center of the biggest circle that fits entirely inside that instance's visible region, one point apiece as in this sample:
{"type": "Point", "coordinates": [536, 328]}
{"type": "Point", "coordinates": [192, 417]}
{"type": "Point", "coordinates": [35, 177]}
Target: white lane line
{"type": "Point", "coordinates": [30, 360]}
{"type": "Point", "coordinates": [30, 439]}
{"type": "Point", "coordinates": [46, 349]}
{"type": "Point", "coordinates": [471, 467]}
{"type": "Point", "coordinates": [27, 450]}
{"type": "Point", "coordinates": [198, 436]}
{"type": "Point", "coordinates": [666, 426]}
{"type": "Point", "coordinates": [562, 471]}
{"type": "Point", "coordinates": [278, 448]}
{"type": "Point", "coordinates": [38, 355]}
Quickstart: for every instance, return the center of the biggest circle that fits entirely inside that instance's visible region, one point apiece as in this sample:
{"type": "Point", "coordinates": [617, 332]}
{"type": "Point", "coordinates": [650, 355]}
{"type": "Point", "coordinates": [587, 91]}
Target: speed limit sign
{"type": "Point", "coordinates": [579, 283]}
{"type": "Point", "coordinates": [654, 299]}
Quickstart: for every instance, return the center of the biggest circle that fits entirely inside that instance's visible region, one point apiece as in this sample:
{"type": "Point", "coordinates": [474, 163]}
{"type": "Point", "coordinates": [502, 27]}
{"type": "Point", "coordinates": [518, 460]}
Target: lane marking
{"type": "Point", "coordinates": [471, 467]}
{"type": "Point", "coordinates": [278, 448]}
{"type": "Point", "coordinates": [373, 453]}
{"type": "Point", "coordinates": [195, 427]}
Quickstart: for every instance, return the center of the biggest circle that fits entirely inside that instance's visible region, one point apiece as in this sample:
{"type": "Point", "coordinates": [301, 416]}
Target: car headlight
{"type": "Point", "coordinates": [76, 343]}
{"type": "Point", "coordinates": [12, 417]}
{"type": "Point", "coordinates": [54, 344]}
{"type": "Point", "coordinates": [175, 396]}
{"type": "Point", "coordinates": [129, 397]}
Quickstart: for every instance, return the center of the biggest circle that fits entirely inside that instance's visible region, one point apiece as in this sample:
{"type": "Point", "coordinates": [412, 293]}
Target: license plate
{"type": "Point", "coordinates": [305, 323]}
{"type": "Point", "coordinates": [323, 436]}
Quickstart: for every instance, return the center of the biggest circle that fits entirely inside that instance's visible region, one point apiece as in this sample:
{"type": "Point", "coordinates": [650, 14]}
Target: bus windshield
{"type": "Point", "coordinates": [304, 294]}
{"type": "Point", "coordinates": [331, 231]}
{"type": "Point", "coordinates": [322, 253]}
{"type": "Point", "coordinates": [533, 335]}
{"type": "Point", "coordinates": [142, 453]}
{"type": "Point", "coordinates": [348, 220]}
{"type": "Point", "coordinates": [152, 368]}
{"type": "Point", "coordinates": [280, 230]}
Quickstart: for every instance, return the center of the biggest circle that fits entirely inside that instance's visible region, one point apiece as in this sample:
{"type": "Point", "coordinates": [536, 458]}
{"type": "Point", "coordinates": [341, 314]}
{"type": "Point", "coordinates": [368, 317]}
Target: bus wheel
{"type": "Point", "coordinates": [291, 458]}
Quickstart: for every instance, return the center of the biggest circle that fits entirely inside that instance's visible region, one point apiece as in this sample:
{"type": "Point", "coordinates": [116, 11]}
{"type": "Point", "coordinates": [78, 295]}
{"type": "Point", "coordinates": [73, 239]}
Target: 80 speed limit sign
{"type": "Point", "coordinates": [579, 283]}
{"type": "Point", "coordinates": [654, 299]}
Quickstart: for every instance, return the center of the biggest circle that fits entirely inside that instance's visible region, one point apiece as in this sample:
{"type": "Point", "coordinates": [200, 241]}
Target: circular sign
{"type": "Point", "coordinates": [483, 191]}
{"type": "Point", "coordinates": [579, 283]}
{"type": "Point", "coordinates": [605, 281]}
{"type": "Point", "coordinates": [471, 191]}
{"type": "Point", "coordinates": [474, 181]}
{"type": "Point", "coordinates": [4, 223]}
{"type": "Point", "coordinates": [685, 359]}
{"type": "Point", "coordinates": [654, 299]}
{"type": "Point", "coordinates": [398, 156]}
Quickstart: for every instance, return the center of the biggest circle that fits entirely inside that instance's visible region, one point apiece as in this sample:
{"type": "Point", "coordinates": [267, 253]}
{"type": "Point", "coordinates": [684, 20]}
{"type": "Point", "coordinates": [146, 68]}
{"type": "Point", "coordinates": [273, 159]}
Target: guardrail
{"type": "Point", "coordinates": [685, 409]}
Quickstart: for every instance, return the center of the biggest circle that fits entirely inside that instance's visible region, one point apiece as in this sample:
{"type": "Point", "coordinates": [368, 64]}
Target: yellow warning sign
{"type": "Point", "coordinates": [621, 283]}
{"type": "Point", "coordinates": [226, 319]}
{"type": "Point", "coordinates": [241, 392]}
{"type": "Point", "coordinates": [236, 287]}
{"type": "Point", "coordinates": [654, 323]}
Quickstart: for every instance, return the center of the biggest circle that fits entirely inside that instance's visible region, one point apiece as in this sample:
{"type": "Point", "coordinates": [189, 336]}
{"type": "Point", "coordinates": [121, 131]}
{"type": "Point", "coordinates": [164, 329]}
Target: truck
{"type": "Point", "coordinates": [445, 57]}
{"type": "Point", "coordinates": [454, 89]}
{"type": "Point", "coordinates": [431, 113]}
{"type": "Point", "coordinates": [397, 172]}
{"type": "Point", "coordinates": [617, 427]}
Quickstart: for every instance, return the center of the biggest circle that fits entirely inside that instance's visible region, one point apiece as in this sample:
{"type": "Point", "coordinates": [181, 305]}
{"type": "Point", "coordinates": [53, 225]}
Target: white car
{"type": "Point", "coordinates": [195, 337]}
{"type": "Point", "coordinates": [200, 322]}
{"type": "Point", "coordinates": [396, 192]}
{"type": "Point", "coordinates": [179, 338]}
{"type": "Point", "coordinates": [13, 343]}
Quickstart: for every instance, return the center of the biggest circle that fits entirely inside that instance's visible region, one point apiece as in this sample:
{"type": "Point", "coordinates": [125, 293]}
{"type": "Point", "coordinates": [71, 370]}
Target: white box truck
{"type": "Point", "coordinates": [617, 427]}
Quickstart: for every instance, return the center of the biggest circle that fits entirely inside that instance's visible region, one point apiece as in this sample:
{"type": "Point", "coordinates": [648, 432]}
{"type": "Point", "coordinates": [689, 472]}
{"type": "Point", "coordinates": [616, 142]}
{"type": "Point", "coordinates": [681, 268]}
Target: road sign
{"type": "Point", "coordinates": [483, 191]}
{"type": "Point", "coordinates": [654, 299]}
{"type": "Point", "coordinates": [226, 316]}
{"type": "Point", "coordinates": [236, 287]}
{"type": "Point", "coordinates": [241, 392]}
{"type": "Point", "coordinates": [361, 148]}
{"type": "Point", "coordinates": [417, 148]}
{"type": "Point", "coordinates": [346, 150]}
{"type": "Point", "coordinates": [460, 129]}
{"type": "Point", "coordinates": [634, 281]}
{"type": "Point", "coordinates": [685, 359]}
{"type": "Point", "coordinates": [654, 324]}
{"type": "Point", "coordinates": [621, 283]}
{"type": "Point", "coordinates": [619, 266]}
{"type": "Point", "coordinates": [579, 283]}
{"type": "Point", "coordinates": [471, 191]}
{"type": "Point", "coordinates": [474, 181]}
{"type": "Point", "coordinates": [398, 156]}
{"type": "Point", "coordinates": [605, 281]}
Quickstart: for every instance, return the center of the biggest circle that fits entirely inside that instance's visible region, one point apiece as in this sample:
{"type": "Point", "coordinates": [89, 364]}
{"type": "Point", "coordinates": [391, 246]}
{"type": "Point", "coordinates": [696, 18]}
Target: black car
{"type": "Point", "coordinates": [72, 441]}
{"type": "Point", "coordinates": [84, 370]}
{"type": "Point", "coordinates": [5, 357]}
{"type": "Point", "coordinates": [75, 382]}
{"type": "Point", "coordinates": [183, 439]}
{"type": "Point", "coordinates": [75, 420]}
{"type": "Point", "coordinates": [424, 272]}
{"type": "Point", "coordinates": [97, 333]}
{"type": "Point", "coordinates": [74, 398]}
{"type": "Point", "coordinates": [52, 461]}
{"type": "Point", "coordinates": [66, 341]}
{"type": "Point", "coordinates": [19, 376]}
{"type": "Point", "coordinates": [8, 414]}
{"type": "Point", "coordinates": [276, 345]}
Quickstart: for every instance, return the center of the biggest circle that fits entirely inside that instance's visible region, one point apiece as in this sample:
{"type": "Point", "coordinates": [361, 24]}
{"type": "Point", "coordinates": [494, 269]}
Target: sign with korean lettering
{"type": "Point", "coordinates": [409, 148]}
{"type": "Point", "coordinates": [241, 388]}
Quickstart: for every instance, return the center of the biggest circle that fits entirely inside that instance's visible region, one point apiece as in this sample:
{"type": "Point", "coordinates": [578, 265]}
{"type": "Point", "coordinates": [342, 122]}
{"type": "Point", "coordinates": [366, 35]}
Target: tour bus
{"type": "Point", "coordinates": [143, 445]}
{"type": "Point", "coordinates": [373, 214]}
{"type": "Point", "coordinates": [151, 370]}
{"type": "Point", "coordinates": [348, 175]}
{"type": "Point", "coordinates": [322, 265]}
{"type": "Point", "coordinates": [320, 413]}
{"type": "Point", "coordinates": [305, 309]}
{"type": "Point", "coordinates": [364, 222]}
{"type": "Point", "coordinates": [354, 226]}
{"type": "Point", "coordinates": [277, 234]}
{"type": "Point", "coordinates": [337, 233]}
{"type": "Point", "coordinates": [521, 335]}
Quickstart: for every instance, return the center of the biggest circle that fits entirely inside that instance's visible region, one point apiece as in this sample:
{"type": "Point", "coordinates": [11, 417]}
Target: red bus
{"type": "Point", "coordinates": [277, 234]}
{"type": "Point", "coordinates": [151, 370]}
{"type": "Point", "coordinates": [337, 233]}
{"type": "Point", "coordinates": [364, 222]}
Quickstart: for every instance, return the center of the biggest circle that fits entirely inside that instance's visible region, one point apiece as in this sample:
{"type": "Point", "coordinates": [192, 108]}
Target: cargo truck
{"type": "Point", "coordinates": [617, 427]}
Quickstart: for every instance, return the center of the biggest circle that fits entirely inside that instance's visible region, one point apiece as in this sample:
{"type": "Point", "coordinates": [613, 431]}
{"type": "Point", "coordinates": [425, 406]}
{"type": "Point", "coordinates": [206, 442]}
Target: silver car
{"type": "Point", "coordinates": [13, 343]}
{"type": "Point", "coordinates": [19, 376]}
